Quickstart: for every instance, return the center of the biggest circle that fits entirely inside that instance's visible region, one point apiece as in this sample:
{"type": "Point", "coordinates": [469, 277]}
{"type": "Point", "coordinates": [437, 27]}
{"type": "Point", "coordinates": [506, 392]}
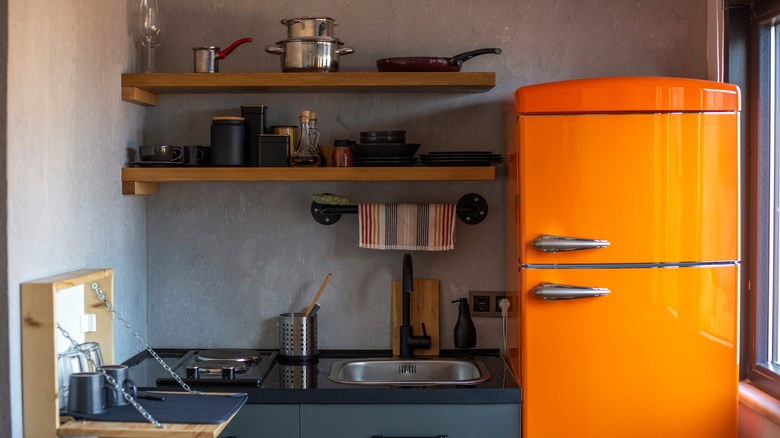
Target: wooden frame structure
{"type": "Point", "coordinates": [40, 380]}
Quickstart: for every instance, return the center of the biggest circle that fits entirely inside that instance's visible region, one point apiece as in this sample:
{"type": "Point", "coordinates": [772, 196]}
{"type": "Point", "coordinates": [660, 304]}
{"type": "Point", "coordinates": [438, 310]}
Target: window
{"type": "Point", "coordinates": [760, 361]}
{"type": "Point", "coordinates": [773, 233]}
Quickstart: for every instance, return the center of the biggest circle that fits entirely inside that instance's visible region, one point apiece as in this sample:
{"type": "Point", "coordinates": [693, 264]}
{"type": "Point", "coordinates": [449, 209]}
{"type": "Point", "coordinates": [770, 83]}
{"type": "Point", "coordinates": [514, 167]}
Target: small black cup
{"type": "Point", "coordinates": [88, 393]}
{"type": "Point", "coordinates": [159, 152]}
{"type": "Point", "coordinates": [119, 373]}
{"type": "Point", "coordinates": [194, 155]}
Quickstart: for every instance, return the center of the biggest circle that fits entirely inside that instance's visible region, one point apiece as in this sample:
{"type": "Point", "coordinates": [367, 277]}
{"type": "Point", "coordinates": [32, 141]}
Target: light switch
{"type": "Point", "coordinates": [88, 323]}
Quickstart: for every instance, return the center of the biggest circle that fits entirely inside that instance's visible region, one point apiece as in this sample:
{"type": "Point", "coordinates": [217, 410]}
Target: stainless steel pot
{"type": "Point", "coordinates": [309, 27]}
{"type": "Point", "coordinates": [309, 54]}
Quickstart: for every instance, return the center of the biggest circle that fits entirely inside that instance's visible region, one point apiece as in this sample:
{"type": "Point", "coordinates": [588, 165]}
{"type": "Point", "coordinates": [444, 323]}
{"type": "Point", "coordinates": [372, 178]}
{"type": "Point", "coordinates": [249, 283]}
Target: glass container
{"type": "Point", "coordinates": [307, 150]}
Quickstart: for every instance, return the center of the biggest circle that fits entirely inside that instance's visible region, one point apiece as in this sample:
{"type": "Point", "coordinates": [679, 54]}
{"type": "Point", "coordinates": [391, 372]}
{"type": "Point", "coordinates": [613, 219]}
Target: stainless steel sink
{"type": "Point", "coordinates": [409, 372]}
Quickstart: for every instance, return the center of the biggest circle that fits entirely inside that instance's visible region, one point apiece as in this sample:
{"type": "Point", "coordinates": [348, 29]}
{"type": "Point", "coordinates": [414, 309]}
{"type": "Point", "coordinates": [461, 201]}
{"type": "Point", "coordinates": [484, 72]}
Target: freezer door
{"type": "Point", "coordinates": [632, 188]}
{"type": "Point", "coordinates": [650, 353]}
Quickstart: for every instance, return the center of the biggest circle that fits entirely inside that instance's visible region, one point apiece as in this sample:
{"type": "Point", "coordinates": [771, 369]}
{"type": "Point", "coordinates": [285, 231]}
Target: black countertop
{"type": "Point", "coordinates": [296, 383]}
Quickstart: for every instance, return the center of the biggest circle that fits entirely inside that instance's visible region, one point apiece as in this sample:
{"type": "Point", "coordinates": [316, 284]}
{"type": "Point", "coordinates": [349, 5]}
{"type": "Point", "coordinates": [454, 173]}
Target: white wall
{"type": "Point", "coordinates": [67, 134]}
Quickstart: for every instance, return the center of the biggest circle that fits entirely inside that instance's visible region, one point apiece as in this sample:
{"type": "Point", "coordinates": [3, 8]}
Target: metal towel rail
{"type": "Point", "coordinates": [471, 209]}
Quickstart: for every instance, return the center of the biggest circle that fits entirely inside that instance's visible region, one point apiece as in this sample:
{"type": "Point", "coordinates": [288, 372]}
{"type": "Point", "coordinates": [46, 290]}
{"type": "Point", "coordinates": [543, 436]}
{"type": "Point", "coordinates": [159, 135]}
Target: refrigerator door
{"type": "Point", "coordinates": [628, 188]}
{"type": "Point", "coordinates": [646, 353]}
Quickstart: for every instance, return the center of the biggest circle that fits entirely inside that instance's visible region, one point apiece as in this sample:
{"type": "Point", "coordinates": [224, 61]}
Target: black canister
{"type": "Point", "coordinates": [273, 150]}
{"type": "Point", "coordinates": [254, 121]}
{"type": "Point", "coordinates": [228, 141]}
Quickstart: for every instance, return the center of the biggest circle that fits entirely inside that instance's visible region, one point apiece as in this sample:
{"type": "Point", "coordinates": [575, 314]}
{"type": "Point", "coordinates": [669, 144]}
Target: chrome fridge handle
{"type": "Point", "coordinates": [550, 243]}
{"type": "Point", "coordinates": [552, 291]}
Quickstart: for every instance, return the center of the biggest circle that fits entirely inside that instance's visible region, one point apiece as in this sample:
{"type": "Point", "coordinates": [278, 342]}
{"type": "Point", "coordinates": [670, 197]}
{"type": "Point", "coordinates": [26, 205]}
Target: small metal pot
{"type": "Point", "coordinates": [309, 27]}
{"type": "Point", "coordinates": [309, 54]}
{"type": "Point", "coordinates": [206, 58]}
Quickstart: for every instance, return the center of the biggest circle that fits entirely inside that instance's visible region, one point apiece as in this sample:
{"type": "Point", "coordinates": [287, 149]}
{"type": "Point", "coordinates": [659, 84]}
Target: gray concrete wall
{"type": "Point", "coordinates": [66, 140]}
{"type": "Point", "coordinates": [226, 258]}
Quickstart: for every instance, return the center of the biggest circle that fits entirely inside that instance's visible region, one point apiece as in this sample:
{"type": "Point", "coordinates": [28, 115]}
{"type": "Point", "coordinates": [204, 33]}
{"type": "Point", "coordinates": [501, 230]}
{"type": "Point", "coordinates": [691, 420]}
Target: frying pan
{"type": "Point", "coordinates": [429, 63]}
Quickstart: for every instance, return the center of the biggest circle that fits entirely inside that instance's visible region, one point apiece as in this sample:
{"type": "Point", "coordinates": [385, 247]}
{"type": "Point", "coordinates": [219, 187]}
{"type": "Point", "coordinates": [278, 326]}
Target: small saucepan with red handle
{"type": "Point", "coordinates": [207, 57]}
{"type": "Point", "coordinates": [429, 63]}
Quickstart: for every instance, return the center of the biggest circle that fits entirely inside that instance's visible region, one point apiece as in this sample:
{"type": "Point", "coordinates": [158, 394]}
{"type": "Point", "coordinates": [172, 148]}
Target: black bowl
{"type": "Point", "coordinates": [383, 137]}
{"type": "Point", "coordinates": [372, 140]}
{"type": "Point", "coordinates": [396, 150]}
{"type": "Point", "coordinates": [383, 134]}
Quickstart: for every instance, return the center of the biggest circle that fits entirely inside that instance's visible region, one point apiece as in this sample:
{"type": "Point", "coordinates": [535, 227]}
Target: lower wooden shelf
{"type": "Point", "coordinates": [145, 180]}
{"type": "Point", "coordinates": [109, 429]}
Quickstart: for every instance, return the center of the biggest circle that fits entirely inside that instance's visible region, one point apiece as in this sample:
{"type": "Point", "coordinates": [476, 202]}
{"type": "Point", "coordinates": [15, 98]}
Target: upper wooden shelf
{"type": "Point", "coordinates": [143, 88]}
{"type": "Point", "coordinates": [144, 180]}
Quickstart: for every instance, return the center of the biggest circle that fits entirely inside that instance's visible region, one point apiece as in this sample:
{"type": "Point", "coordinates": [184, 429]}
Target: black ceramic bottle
{"type": "Point", "coordinates": [465, 332]}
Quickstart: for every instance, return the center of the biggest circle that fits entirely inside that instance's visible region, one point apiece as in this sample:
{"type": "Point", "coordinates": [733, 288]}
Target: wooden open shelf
{"type": "Point", "coordinates": [143, 88]}
{"type": "Point", "coordinates": [144, 180]}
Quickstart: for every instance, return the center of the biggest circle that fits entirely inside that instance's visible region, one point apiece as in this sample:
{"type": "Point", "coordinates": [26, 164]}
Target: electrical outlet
{"type": "Point", "coordinates": [510, 301]}
{"type": "Point", "coordinates": [480, 303]}
{"type": "Point", "coordinates": [485, 303]}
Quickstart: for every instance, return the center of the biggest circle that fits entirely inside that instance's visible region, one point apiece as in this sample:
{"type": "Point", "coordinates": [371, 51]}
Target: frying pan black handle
{"type": "Point", "coordinates": [458, 60]}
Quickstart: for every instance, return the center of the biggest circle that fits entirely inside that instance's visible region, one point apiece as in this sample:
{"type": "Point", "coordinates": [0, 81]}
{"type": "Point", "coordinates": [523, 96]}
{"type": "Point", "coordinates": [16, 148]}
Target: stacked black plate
{"type": "Point", "coordinates": [385, 148]}
{"type": "Point", "coordinates": [461, 158]}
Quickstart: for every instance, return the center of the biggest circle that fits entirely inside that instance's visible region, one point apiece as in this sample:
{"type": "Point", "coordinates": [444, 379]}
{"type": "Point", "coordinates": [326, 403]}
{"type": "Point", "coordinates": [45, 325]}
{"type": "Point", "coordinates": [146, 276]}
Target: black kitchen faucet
{"type": "Point", "coordinates": [408, 341]}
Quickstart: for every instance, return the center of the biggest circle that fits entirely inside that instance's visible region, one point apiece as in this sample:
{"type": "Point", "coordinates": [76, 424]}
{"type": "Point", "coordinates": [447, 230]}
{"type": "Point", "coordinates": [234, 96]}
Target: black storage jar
{"type": "Point", "coordinates": [228, 147]}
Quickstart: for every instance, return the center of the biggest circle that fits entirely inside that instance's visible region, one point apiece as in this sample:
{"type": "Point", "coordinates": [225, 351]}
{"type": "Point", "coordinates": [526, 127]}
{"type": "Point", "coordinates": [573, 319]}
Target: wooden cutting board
{"type": "Point", "coordinates": [424, 308]}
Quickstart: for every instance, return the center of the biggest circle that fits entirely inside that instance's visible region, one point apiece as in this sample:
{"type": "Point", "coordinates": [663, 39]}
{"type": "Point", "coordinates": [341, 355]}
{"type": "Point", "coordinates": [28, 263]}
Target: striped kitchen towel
{"type": "Point", "coordinates": [422, 227]}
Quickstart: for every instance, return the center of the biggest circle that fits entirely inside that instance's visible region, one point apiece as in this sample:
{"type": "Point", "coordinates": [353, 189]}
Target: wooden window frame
{"type": "Point", "coordinates": [748, 28]}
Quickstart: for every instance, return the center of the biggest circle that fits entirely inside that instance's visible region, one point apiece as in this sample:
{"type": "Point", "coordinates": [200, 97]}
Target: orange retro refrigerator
{"type": "Point", "coordinates": [624, 248]}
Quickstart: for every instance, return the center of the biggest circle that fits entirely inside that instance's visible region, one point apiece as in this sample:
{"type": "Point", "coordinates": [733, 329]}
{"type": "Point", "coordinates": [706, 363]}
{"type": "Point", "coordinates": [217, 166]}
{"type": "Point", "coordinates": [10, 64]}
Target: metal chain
{"type": "Point", "coordinates": [112, 381]}
{"type": "Point", "coordinates": [102, 296]}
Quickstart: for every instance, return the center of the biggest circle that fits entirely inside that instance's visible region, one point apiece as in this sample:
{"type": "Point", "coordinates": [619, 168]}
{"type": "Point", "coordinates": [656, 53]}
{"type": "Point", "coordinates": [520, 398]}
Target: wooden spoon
{"type": "Point", "coordinates": [317, 297]}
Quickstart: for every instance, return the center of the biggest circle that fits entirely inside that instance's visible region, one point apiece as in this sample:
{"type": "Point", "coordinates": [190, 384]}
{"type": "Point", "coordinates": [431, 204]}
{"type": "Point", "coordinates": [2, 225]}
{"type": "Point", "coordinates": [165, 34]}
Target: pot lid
{"type": "Point", "coordinates": [286, 21]}
{"type": "Point", "coordinates": [311, 40]}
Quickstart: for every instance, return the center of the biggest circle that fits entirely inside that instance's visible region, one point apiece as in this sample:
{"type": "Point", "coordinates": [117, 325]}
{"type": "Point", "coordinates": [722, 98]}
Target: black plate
{"type": "Point", "coordinates": [463, 152]}
{"type": "Point", "coordinates": [461, 162]}
{"type": "Point", "coordinates": [386, 158]}
{"type": "Point", "coordinates": [454, 155]}
{"type": "Point", "coordinates": [156, 163]}
{"type": "Point", "coordinates": [385, 149]}
{"type": "Point", "coordinates": [389, 162]}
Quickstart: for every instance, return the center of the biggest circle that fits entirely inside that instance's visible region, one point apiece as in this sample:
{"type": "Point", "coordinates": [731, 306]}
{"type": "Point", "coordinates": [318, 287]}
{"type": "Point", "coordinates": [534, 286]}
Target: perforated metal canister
{"type": "Point", "coordinates": [297, 336]}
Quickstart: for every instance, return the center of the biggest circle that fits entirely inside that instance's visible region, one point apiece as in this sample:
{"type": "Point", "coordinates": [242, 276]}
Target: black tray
{"type": "Point", "coordinates": [176, 408]}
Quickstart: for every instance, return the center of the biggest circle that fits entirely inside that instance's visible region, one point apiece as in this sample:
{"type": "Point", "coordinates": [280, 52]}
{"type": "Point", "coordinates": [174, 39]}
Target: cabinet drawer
{"type": "Point", "coordinates": [257, 421]}
{"type": "Point", "coordinates": [365, 421]}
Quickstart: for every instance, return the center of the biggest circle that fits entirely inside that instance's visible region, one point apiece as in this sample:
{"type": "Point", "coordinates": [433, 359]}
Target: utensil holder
{"type": "Point", "coordinates": [297, 336]}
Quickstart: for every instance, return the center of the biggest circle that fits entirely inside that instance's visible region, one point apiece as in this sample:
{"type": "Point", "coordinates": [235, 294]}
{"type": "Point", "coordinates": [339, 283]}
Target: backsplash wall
{"type": "Point", "coordinates": [224, 259]}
